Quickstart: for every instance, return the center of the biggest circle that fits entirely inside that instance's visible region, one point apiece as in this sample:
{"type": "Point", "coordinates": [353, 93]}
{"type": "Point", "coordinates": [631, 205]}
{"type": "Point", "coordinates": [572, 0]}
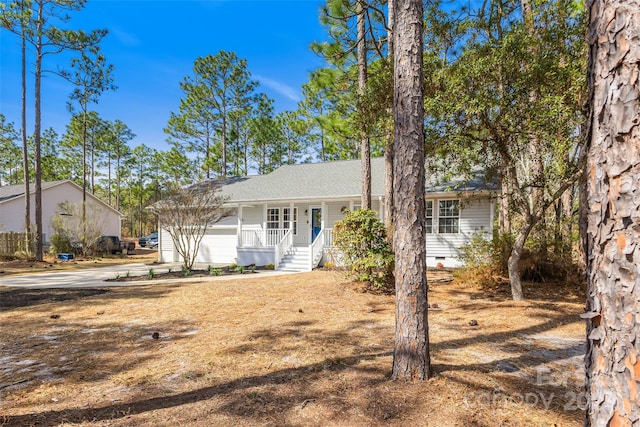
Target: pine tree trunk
{"type": "Point", "coordinates": [613, 214]}
{"type": "Point", "coordinates": [118, 180]}
{"type": "Point", "coordinates": [39, 255]}
{"type": "Point", "coordinates": [365, 149]}
{"type": "Point", "coordinates": [388, 185]}
{"type": "Point", "coordinates": [25, 146]}
{"type": "Point", "coordinates": [411, 351]}
{"type": "Point", "coordinates": [388, 149]}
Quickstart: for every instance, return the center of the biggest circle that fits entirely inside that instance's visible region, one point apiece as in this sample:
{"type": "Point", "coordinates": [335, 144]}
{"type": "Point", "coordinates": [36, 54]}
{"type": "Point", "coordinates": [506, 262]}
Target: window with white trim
{"type": "Point", "coordinates": [273, 218]}
{"type": "Point", "coordinates": [448, 216]}
{"type": "Point", "coordinates": [429, 216]}
{"type": "Point", "coordinates": [286, 219]}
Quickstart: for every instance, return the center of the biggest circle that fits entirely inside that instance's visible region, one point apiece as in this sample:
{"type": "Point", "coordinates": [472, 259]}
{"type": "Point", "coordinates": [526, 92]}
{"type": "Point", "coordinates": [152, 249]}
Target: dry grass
{"type": "Point", "coordinates": [50, 263]}
{"type": "Point", "coordinates": [305, 349]}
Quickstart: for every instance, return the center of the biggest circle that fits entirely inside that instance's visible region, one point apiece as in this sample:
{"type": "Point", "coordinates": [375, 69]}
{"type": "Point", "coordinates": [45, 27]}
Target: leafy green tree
{"type": "Point", "coordinates": [115, 146]}
{"type": "Point", "coordinates": [294, 134]}
{"type": "Point", "coordinates": [71, 149]}
{"type": "Point", "coordinates": [35, 21]}
{"type": "Point", "coordinates": [370, 31]}
{"type": "Point", "coordinates": [220, 85]}
{"type": "Point", "coordinates": [91, 77]}
{"type": "Point", "coordinates": [140, 193]}
{"type": "Point", "coordinates": [362, 240]}
{"type": "Point", "coordinates": [176, 168]}
{"type": "Point", "coordinates": [53, 167]}
{"type": "Point", "coordinates": [10, 161]}
{"type": "Point", "coordinates": [265, 139]}
{"type": "Point", "coordinates": [481, 109]}
{"type": "Point", "coordinates": [329, 107]}
{"type": "Point", "coordinates": [16, 18]}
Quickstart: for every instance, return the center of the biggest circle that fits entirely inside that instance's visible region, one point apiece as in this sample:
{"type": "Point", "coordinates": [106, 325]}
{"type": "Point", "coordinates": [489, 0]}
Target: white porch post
{"type": "Point", "coordinates": [381, 208]}
{"type": "Point", "coordinates": [323, 214]}
{"type": "Point", "coordinates": [239, 229]}
{"type": "Point", "coordinates": [351, 205]}
{"type": "Point", "coordinates": [291, 218]}
{"type": "Point", "coordinates": [264, 225]}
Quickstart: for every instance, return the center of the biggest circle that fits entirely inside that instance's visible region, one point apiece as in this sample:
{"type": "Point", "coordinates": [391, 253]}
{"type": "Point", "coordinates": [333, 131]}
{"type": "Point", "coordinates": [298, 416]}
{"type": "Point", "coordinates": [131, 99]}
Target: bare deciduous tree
{"type": "Point", "coordinates": [187, 214]}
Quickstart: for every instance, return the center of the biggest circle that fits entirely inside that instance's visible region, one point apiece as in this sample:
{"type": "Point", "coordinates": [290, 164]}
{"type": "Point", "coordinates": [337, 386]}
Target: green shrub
{"type": "Point", "coordinates": [213, 271]}
{"type": "Point", "coordinates": [362, 239]}
{"type": "Point", "coordinates": [484, 260]}
{"type": "Point", "coordinates": [270, 267]}
{"type": "Point", "coordinates": [186, 272]}
{"type": "Point", "coordinates": [151, 273]}
{"type": "Point", "coordinates": [60, 243]}
{"type": "Point", "coordinates": [240, 269]}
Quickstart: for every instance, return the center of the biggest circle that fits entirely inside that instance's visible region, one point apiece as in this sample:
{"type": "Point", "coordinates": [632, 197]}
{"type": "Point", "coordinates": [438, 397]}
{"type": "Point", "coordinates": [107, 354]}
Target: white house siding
{"type": "Point", "coordinates": [475, 217]}
{"type": "Point", "coordinates": [334, 213]}
{"type": "Point", "coordinates": [12, 211]}
{"type": "Point", "coordinates": [252, 216]}
{"type": "Point", "coordinates": [166, 250]}
{"type": "Point", "coordinates": [218, 246]}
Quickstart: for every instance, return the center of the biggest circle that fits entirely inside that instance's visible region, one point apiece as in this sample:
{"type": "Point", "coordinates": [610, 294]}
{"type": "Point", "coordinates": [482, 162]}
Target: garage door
{"type": "Point", "coordinates": [218, 246]}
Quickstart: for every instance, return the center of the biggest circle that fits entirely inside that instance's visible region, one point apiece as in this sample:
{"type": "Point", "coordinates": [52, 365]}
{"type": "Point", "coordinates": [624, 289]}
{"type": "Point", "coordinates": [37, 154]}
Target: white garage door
{"type": "Point", "coordinates": [218, 246]}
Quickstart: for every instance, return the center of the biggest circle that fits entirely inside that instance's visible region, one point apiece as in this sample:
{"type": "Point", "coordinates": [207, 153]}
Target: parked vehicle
{"type": "Point", "coordinates": [144, 241]}
{"type": "Point", "coordinates": [113, 245]}
{"type": "Point", "coordinates": [153, 243]}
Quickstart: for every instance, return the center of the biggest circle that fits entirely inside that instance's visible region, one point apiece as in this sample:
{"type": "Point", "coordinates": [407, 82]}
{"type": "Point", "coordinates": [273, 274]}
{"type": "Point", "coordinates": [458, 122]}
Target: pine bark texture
{"type": "Point", "coordinates": [388, 150]}
{"type": "Point", "coordinates": [365, 148]}
{"type": "Point", "coordinates": [613, 215]}
{"type": "Point", "coordinates": [25, 145]}
{"type": "Point", "coordinates": [411, 352]}
{"type": "Point", "coordinates": [38, 243]}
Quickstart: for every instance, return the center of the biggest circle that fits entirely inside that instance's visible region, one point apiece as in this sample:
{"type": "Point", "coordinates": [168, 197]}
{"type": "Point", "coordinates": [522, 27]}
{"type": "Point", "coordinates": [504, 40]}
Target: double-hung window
{"type": "Point", "coordinates": [289, 221]}
{"type": "Point", "coordinates": [273, 218]}
{"type": "Point", "coordinates": [448, 216]}
{"type": "Point", "coordinates": [429, 216]}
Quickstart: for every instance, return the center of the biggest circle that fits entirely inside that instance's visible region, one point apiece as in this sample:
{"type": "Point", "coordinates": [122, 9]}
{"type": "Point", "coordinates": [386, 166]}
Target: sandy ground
{"type": "Point", "coordinates": [296, 350]}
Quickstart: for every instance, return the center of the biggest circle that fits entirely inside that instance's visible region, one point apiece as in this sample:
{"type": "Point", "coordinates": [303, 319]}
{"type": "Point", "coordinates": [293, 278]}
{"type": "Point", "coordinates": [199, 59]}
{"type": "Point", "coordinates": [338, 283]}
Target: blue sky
{"type": "Point", "coordinates": [153, 45]}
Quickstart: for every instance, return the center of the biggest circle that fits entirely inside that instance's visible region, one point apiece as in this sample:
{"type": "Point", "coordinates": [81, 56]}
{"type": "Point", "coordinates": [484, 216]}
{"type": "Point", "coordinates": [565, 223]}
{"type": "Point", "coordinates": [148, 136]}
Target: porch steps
{"type": "Point", "coordinates": [296, 260]}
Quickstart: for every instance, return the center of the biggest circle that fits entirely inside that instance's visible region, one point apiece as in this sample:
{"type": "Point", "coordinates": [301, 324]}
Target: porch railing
{"type": "Point", "coordinates": [251, 237]}
{"type": "Point", "coordinates": [328, 237]}
{"type": "Point", "coordinates": [275, 235]}
{"type": "Point", "coordinates": [283, 247]}
{"type": "Point", "coordinates": [316, 249]}
{"type": "Point", "coordinates": [257, 237]}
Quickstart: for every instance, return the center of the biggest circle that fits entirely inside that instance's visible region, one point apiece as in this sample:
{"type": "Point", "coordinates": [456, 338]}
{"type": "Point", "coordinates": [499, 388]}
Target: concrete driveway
{"type": "Point", "coordinates": [95, 277]}
{"type": "Point", "coordinates": [83, 278]}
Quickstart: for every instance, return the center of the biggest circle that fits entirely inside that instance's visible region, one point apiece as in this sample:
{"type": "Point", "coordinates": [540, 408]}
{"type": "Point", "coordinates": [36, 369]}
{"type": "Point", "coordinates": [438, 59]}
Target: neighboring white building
{"type": "Point", "coordinates": [53, 193]}
{"type": "Point", "coordinates": [286, 217]}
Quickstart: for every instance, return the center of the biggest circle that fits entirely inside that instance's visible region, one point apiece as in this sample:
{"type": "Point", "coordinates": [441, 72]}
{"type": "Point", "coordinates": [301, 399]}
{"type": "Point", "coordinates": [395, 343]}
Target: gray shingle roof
{"type": "Point", "coordinates": [329, 180]}
{"type": "Point", "coordinates": [8, 192]}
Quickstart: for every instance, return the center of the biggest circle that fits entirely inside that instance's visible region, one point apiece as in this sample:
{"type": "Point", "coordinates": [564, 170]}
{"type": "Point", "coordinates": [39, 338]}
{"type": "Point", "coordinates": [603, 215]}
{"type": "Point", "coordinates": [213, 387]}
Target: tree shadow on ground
{"type": "Point", "coordinates": [286, 376]}
{"type": "Point", "coordinates": [22, 297]}
{"type": "Point", "coordinates": [260, 397]}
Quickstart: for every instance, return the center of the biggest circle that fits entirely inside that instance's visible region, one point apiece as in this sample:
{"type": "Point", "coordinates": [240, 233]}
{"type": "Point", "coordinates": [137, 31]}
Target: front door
{"type": "Point", "coordinates": [316, 223]}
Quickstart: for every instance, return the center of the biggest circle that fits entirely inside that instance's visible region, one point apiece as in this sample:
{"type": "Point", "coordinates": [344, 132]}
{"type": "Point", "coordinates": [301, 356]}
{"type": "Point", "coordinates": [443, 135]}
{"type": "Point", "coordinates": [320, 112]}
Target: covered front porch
{"type": "Point", "coordinates": [291, 236]}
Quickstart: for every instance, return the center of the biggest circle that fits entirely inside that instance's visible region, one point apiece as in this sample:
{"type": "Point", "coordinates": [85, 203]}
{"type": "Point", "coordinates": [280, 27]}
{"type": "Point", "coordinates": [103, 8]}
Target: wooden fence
{"type": "Point", "coordinates": [10, 243]}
